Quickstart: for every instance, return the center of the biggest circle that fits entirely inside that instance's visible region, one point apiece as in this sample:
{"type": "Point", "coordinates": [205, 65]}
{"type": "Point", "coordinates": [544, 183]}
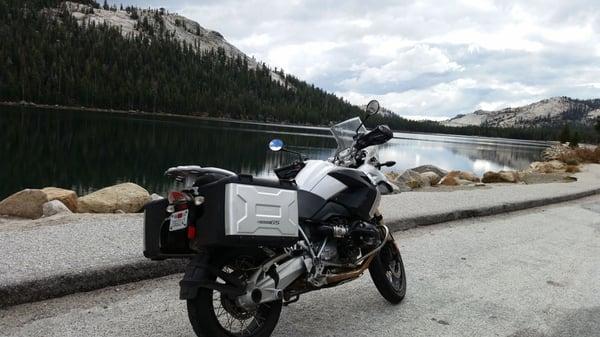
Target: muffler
{"type": "Point", "coordinates": [268, 289]}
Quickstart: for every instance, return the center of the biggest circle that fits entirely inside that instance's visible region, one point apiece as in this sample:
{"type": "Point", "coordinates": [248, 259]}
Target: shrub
{"type": "Point", "coordinates": [572, 169]}
{"type": "Point", "coordinates": [571, 161]}
{"type": "Point", "coordinates": [580, 155]}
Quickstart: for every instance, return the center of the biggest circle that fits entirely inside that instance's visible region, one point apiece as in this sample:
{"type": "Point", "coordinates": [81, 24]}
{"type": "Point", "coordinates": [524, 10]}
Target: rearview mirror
{"type": "Point", "coordinates": [276, 145]}
{"type": "Point", "coordinates": [372, 107]}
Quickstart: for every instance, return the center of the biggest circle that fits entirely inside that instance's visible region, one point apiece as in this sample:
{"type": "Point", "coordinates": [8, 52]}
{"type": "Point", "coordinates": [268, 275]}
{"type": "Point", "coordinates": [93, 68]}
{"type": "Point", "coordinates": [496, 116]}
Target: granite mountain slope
{"type": "Point", "coordinates": [554, 111]}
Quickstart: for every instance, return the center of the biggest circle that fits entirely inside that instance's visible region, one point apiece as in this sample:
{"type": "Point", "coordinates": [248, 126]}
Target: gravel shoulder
{"type": "Point", "coordinates": [528, 273]}
{"type": "Point", "coordinates": [56, 256]}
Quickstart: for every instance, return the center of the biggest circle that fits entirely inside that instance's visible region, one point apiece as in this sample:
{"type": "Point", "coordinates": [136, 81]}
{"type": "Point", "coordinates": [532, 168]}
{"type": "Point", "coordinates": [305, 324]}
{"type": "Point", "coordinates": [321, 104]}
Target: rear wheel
{"type": "Point", "coordinates": [215, 314]}
{"type": "Point", "coordinates": [387, 272]}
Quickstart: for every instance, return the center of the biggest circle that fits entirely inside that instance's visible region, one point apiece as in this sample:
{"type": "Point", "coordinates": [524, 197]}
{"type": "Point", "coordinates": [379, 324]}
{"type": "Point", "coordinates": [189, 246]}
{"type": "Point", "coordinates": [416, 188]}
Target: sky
{"type": "Point", "coordinates": [421, 59]}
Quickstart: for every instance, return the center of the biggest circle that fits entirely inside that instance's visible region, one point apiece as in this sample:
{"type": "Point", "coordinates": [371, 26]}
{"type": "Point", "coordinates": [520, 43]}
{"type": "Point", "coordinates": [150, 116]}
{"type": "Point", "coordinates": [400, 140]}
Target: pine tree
{"type": "Point", "coordinates": [575, 140]}
{"type": "Point", "coordinates": [105, 6]}
{"type": "Point", "coordinates": [565, 134]}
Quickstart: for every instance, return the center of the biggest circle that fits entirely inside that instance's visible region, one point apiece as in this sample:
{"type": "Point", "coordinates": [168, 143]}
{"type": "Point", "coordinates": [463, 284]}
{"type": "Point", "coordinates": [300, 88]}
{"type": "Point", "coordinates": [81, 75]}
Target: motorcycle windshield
{"type": "Point", "coordinates": [345, 131]}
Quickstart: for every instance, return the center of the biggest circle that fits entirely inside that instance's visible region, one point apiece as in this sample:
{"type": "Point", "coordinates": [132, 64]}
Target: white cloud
{"type": "Point", "coordinates": [420, 58]}
{"type": "Point", "coordinates": [405, 65]}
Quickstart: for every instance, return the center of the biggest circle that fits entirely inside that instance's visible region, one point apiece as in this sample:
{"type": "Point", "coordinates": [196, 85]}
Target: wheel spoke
{"type": "Point", "coordinates": [234, 319]}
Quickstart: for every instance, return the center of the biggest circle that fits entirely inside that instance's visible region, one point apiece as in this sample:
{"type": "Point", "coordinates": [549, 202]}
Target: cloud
{"type": "Point", "coordinates": [421, 59]}
{"type": "Point", "coordinates": [417, 60]}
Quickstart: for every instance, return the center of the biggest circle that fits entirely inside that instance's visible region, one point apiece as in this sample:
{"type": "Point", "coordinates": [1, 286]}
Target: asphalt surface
{"type": "Point", "coordinates": [533, 273]}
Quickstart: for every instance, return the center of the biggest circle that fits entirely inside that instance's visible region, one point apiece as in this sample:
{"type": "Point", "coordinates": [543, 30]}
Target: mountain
{"type": "Point", "coordinates": [134, 22]}
{"type": "Point", "coordinates": [77, 54]}
{"type": "Point", "coordinates": [552, 112]}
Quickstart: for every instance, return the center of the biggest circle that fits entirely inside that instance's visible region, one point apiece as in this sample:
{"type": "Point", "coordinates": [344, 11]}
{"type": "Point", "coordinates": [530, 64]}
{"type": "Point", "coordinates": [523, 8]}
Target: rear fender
{"type": "Point", "coordinates": [200, 274]}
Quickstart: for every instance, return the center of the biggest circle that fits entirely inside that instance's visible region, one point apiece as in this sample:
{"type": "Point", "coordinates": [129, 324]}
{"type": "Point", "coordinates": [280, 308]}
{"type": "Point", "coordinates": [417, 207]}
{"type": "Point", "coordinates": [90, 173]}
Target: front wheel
{"type": "Point", "coordinates": [215, 314]}
{"type": "Point", "coordinates": [387, 272]}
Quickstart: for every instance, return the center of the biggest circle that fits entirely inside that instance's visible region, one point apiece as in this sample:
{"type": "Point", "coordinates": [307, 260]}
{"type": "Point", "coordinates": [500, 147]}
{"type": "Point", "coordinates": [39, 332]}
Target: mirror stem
{"type": "Point", "coordinates": [294, 152]}
{"type": "Point", "coordinates": [362, 122]}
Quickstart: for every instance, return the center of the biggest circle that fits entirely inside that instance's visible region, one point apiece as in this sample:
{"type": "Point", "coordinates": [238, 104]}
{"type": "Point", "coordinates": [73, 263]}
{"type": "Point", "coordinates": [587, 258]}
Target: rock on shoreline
{"type": "Point", "coordinates": [35, 203]}
{"type": "Point", "coordinates": [560, 162]}
{"type": "Point", "coordinates": [126, 197]}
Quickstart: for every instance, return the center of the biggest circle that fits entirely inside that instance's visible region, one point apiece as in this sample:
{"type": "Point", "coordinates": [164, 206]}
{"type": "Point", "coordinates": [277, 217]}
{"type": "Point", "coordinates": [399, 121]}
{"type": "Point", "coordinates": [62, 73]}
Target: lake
{"type": "Point", "coordinates": [85, 151]}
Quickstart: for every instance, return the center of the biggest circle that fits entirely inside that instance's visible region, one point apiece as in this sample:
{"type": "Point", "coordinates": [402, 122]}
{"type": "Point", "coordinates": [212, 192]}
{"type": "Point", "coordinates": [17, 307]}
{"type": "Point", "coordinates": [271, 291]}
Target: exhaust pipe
{"type": "Point", "coordinates": [351, 274]}
{"type": "Point", "coordinates": [267, 290]}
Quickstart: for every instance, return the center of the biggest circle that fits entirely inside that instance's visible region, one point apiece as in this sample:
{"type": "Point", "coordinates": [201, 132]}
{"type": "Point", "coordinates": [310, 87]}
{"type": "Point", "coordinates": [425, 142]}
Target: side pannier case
{"type": "Point", "coordinates": [160, 242]}
{"type": "Point", "coordinates": [246, 211]}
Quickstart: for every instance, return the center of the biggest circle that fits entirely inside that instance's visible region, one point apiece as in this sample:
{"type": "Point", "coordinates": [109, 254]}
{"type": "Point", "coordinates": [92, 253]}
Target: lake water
{"type": "Point", "coordinates": [85, 151]}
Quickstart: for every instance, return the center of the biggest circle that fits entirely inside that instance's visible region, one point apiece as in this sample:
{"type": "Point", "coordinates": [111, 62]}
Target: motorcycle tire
{"type": "Point", "coordinates": [387, 273]}
{"type": "Point", "coordinates": [208, 321]}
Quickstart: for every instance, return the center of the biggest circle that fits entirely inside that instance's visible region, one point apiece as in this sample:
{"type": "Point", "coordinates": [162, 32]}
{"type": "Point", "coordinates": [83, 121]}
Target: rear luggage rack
{"type": "Point", "coordinates": [189, 173]}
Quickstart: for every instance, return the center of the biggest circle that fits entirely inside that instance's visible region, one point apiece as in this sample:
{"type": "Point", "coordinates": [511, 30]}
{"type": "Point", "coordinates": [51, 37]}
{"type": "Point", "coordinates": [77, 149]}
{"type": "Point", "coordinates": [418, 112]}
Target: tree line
{"type": "Point", "coordinates": [47, 57]}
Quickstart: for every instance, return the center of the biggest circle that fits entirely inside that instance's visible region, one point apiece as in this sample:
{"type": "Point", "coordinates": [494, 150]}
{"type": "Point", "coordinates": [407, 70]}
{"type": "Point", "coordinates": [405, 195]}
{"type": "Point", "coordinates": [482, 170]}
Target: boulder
{"type": "Point", "coordinates": [67, 197]}
{"type": "Point", "coordinates": [463, 182]}
{"type": "Point", "coordinates": [547, 166]}
{"type": "Point", "coordinates": [126, 197]}
{"type": "Point", "coordinates": [430, 168]}
{"type": "Point", "coordinates": [391, 176]}
{"type": "Point", "coordinates": [464, 175]}
{"type": "Point", "coordinates": [500, 177]}
{"type": "Point", "coordinates": [456, 178]}
{"type": "Point", "coordinates": [25, 204]}
{"type": "Point", "coordinates": [449, 179]}
{"type": "Point", "coordinates": [54, 207]}
{"type": "Point", "coordinates": [556, 164]}
{"type": "Point", "coordinates": [432, 177]}
{"type": "Point", "coordinates": [411, 179]}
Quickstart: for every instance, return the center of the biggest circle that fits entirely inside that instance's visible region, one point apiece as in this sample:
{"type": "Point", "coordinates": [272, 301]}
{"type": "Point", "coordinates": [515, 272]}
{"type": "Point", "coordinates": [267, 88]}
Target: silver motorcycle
{"type": "Point", "coordinates": [258, 244]}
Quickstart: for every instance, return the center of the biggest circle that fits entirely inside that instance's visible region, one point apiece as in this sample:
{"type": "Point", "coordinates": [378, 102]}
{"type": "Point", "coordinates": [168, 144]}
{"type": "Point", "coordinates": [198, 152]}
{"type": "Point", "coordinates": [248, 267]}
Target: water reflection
{"type": "Point", "coordinates": [85, 151]}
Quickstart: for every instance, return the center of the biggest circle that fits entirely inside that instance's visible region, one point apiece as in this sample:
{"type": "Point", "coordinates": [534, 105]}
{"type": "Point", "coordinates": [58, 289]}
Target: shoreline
{"type": "Point", "coordinates": [199, 116]}
{"type": "Point", "coordinates": [193, 116]}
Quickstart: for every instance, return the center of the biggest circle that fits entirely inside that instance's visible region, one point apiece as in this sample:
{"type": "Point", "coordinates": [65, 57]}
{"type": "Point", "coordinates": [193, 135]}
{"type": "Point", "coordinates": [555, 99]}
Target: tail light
{"type": "Point", "coordinates": [177, 201]}
{"type": "Point", "coordinates": [176, 197]}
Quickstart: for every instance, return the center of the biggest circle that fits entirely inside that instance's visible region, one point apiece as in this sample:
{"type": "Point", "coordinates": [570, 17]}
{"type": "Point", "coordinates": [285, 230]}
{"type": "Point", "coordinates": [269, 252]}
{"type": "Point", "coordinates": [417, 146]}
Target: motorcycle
{"type": "Point", "coordinates": [256, 244]}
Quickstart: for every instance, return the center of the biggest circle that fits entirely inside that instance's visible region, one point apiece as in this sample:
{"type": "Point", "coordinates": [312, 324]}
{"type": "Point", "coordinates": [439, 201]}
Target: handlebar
{"type": "Point", "coordinates": [387, 164]}
{"type": "Point", "coordinates": [377, 136]}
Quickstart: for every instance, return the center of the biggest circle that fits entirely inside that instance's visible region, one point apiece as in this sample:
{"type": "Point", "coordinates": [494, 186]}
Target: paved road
{"type": "Point", "coordinates": [533, 273]}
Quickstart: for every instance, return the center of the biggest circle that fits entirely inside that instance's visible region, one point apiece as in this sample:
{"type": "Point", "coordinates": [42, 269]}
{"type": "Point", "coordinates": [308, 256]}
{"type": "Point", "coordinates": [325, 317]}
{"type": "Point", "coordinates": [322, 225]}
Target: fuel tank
{"type": "Point", "coordinates": [326, 190]}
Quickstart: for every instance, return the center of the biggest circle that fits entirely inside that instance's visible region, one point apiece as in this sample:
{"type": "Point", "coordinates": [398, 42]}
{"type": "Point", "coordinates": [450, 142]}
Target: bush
{"type": "Point", "coordinates": [572, 169]}
{"type": "Point", "coordinates": [571, 161]}
{"type": "Point", "coordinates": [580, 155]}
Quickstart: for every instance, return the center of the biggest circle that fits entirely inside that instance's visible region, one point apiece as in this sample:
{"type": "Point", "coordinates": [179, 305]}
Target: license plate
{"type": "Point", "coordinates": [178, 220]}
